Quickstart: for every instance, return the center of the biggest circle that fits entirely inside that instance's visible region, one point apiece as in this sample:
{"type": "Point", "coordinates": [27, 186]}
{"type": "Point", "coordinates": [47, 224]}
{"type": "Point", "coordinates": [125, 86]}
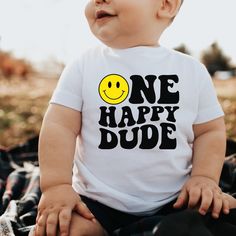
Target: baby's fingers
{"type": "Point", "coordinates": [83, 210]}
{"type": "Point", "coordinates": [40, 229]}
{"type": "Point", "coordinates": [52, 222]}
{"type": "Point", "coordinates": [194, 197]}
{"type": "Point", "coordinates": [226, 205]}
{"type": "Point", "coordinates": [217, 204]}
{"type": "Point", "coordinates": [64, 221]}
{"type": "Point", "coordinates": [206, 202]}
{"type": "Point", "coordinates": [182, 199]}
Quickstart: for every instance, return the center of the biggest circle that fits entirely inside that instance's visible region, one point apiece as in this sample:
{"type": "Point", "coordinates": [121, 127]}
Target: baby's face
{"type": "Point", "coordinates": [123, 23]}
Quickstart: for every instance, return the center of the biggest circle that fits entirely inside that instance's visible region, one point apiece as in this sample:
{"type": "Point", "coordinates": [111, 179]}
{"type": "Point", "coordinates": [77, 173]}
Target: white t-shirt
{"type": "Point", "coordinates": [138, 107]}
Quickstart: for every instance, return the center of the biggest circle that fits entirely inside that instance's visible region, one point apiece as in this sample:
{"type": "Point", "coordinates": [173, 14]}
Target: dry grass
{"type": "Point", "coordinates": [23, 103]}
{"type": "Point", "coordinates": [226, 90]}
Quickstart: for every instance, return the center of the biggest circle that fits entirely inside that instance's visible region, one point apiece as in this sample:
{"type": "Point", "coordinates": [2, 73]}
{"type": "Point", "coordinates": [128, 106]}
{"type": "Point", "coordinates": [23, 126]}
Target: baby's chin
{"type": "Point", "coordinates": [119, 42]}
{"type": "Point", "coordinates": [116, 39]}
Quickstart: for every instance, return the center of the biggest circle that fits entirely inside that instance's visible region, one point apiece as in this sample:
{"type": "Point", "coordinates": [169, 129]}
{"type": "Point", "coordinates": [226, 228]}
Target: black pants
{"type": "Point", "coordinates": [112, 219]}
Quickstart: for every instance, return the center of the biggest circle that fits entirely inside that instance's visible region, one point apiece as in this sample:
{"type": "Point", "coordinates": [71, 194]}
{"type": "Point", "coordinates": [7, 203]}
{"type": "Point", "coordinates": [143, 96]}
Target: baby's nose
{"type": "Point", "coordinates": [101, 1]}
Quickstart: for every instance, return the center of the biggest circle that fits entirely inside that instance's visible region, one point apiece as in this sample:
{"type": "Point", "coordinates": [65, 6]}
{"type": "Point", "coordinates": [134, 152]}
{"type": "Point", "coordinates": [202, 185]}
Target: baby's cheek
{"type": "Point", "coordinates": [89, 11]}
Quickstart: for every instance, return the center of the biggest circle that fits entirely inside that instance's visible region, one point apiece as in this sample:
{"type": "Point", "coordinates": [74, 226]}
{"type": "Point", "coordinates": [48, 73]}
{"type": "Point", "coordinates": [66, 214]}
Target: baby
{"type": "Point", "coordinates": [139, 124]}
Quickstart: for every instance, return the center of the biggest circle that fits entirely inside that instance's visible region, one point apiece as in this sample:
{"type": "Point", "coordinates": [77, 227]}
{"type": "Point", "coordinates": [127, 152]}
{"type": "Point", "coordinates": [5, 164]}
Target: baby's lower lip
{"type": "Point", "coordinates": [104, 18]}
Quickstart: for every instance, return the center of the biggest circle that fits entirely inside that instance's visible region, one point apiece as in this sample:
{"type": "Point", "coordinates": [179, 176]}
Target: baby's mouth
{"type": "Point", "coordinates": [103, 14]}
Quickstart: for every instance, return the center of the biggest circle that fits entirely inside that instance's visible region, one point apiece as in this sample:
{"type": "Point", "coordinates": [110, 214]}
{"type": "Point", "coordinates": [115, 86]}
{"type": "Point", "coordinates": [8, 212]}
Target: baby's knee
{"type": "Point", "coordinates": [83, 227]}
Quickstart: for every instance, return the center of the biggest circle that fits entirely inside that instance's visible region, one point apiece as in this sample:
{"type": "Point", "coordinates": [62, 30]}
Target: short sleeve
{"type": "Point", "coordinates": [209, 107]}
{"type": "Point", "coordinates": [68, 91]}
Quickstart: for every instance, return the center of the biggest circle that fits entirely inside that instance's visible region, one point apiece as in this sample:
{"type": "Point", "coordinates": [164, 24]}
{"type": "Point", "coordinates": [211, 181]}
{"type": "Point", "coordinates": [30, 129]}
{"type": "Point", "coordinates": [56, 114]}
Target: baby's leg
{"type": "Point", "coordinates": [80, 226]}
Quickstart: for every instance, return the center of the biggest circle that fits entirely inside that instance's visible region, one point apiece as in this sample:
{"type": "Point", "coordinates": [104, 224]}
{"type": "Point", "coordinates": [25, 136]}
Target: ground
{"type": "Point", "coordinates": [24, 101]}
{"type": "Point", "coordinates": [226, 91]}
{"type": "Point", "coordinates": [22, 105]}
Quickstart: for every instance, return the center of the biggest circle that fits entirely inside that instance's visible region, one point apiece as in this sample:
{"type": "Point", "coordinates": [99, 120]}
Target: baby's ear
{"type": "Point", "coordinates": [169, 8]}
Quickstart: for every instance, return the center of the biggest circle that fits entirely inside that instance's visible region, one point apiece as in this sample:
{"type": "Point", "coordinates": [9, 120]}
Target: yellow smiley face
{"type": "Point", "coordinates": [113, 89]}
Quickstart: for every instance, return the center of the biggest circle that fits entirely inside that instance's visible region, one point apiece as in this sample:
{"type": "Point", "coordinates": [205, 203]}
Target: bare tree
{"type": "Point", "coordinates": [182, 48]}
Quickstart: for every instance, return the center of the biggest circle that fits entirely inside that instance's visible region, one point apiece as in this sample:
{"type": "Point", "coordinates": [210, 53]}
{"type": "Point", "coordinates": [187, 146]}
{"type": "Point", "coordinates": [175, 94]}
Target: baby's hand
{"type": "Point", "coordinates": [203, 192]}
{"type": "Point", "coordinates": [55, 208]}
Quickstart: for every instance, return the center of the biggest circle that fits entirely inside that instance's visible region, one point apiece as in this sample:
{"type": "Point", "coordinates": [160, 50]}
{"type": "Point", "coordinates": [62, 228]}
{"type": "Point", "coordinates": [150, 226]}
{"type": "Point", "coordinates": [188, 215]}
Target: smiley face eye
{"type": "Point", "coordinates": [109, 84]}
{"type": "Point", "coordinates": [117, 84]}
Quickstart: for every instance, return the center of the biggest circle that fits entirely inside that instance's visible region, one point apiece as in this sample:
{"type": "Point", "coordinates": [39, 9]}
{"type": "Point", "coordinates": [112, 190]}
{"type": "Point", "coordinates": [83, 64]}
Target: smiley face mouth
{"type": "Point", "coordinates": [113, 98]}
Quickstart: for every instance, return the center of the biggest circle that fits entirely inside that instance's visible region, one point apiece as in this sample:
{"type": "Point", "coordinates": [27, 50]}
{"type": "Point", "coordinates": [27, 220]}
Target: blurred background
{"type": "Point", "coordinates": [38, 37]}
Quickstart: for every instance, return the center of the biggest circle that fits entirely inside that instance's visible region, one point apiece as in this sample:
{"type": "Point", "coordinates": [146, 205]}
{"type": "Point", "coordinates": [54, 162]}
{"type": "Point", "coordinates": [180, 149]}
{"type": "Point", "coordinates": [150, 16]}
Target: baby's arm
{"type": "Point", "coordinates": [208, 157]}
{"type": "Point", "coordinates": [60, 128]}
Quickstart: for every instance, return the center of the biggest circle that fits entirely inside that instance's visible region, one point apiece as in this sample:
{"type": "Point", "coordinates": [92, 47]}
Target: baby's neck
{"type": "Point", "coordinates": [138, 45]}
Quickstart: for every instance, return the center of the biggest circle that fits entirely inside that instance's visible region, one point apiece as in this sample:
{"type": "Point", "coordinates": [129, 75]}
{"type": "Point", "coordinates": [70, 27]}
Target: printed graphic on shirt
{"type": "Point", "coordinates": [153, 126]}
{"type": "Point", "coordinates": [113, 89]}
